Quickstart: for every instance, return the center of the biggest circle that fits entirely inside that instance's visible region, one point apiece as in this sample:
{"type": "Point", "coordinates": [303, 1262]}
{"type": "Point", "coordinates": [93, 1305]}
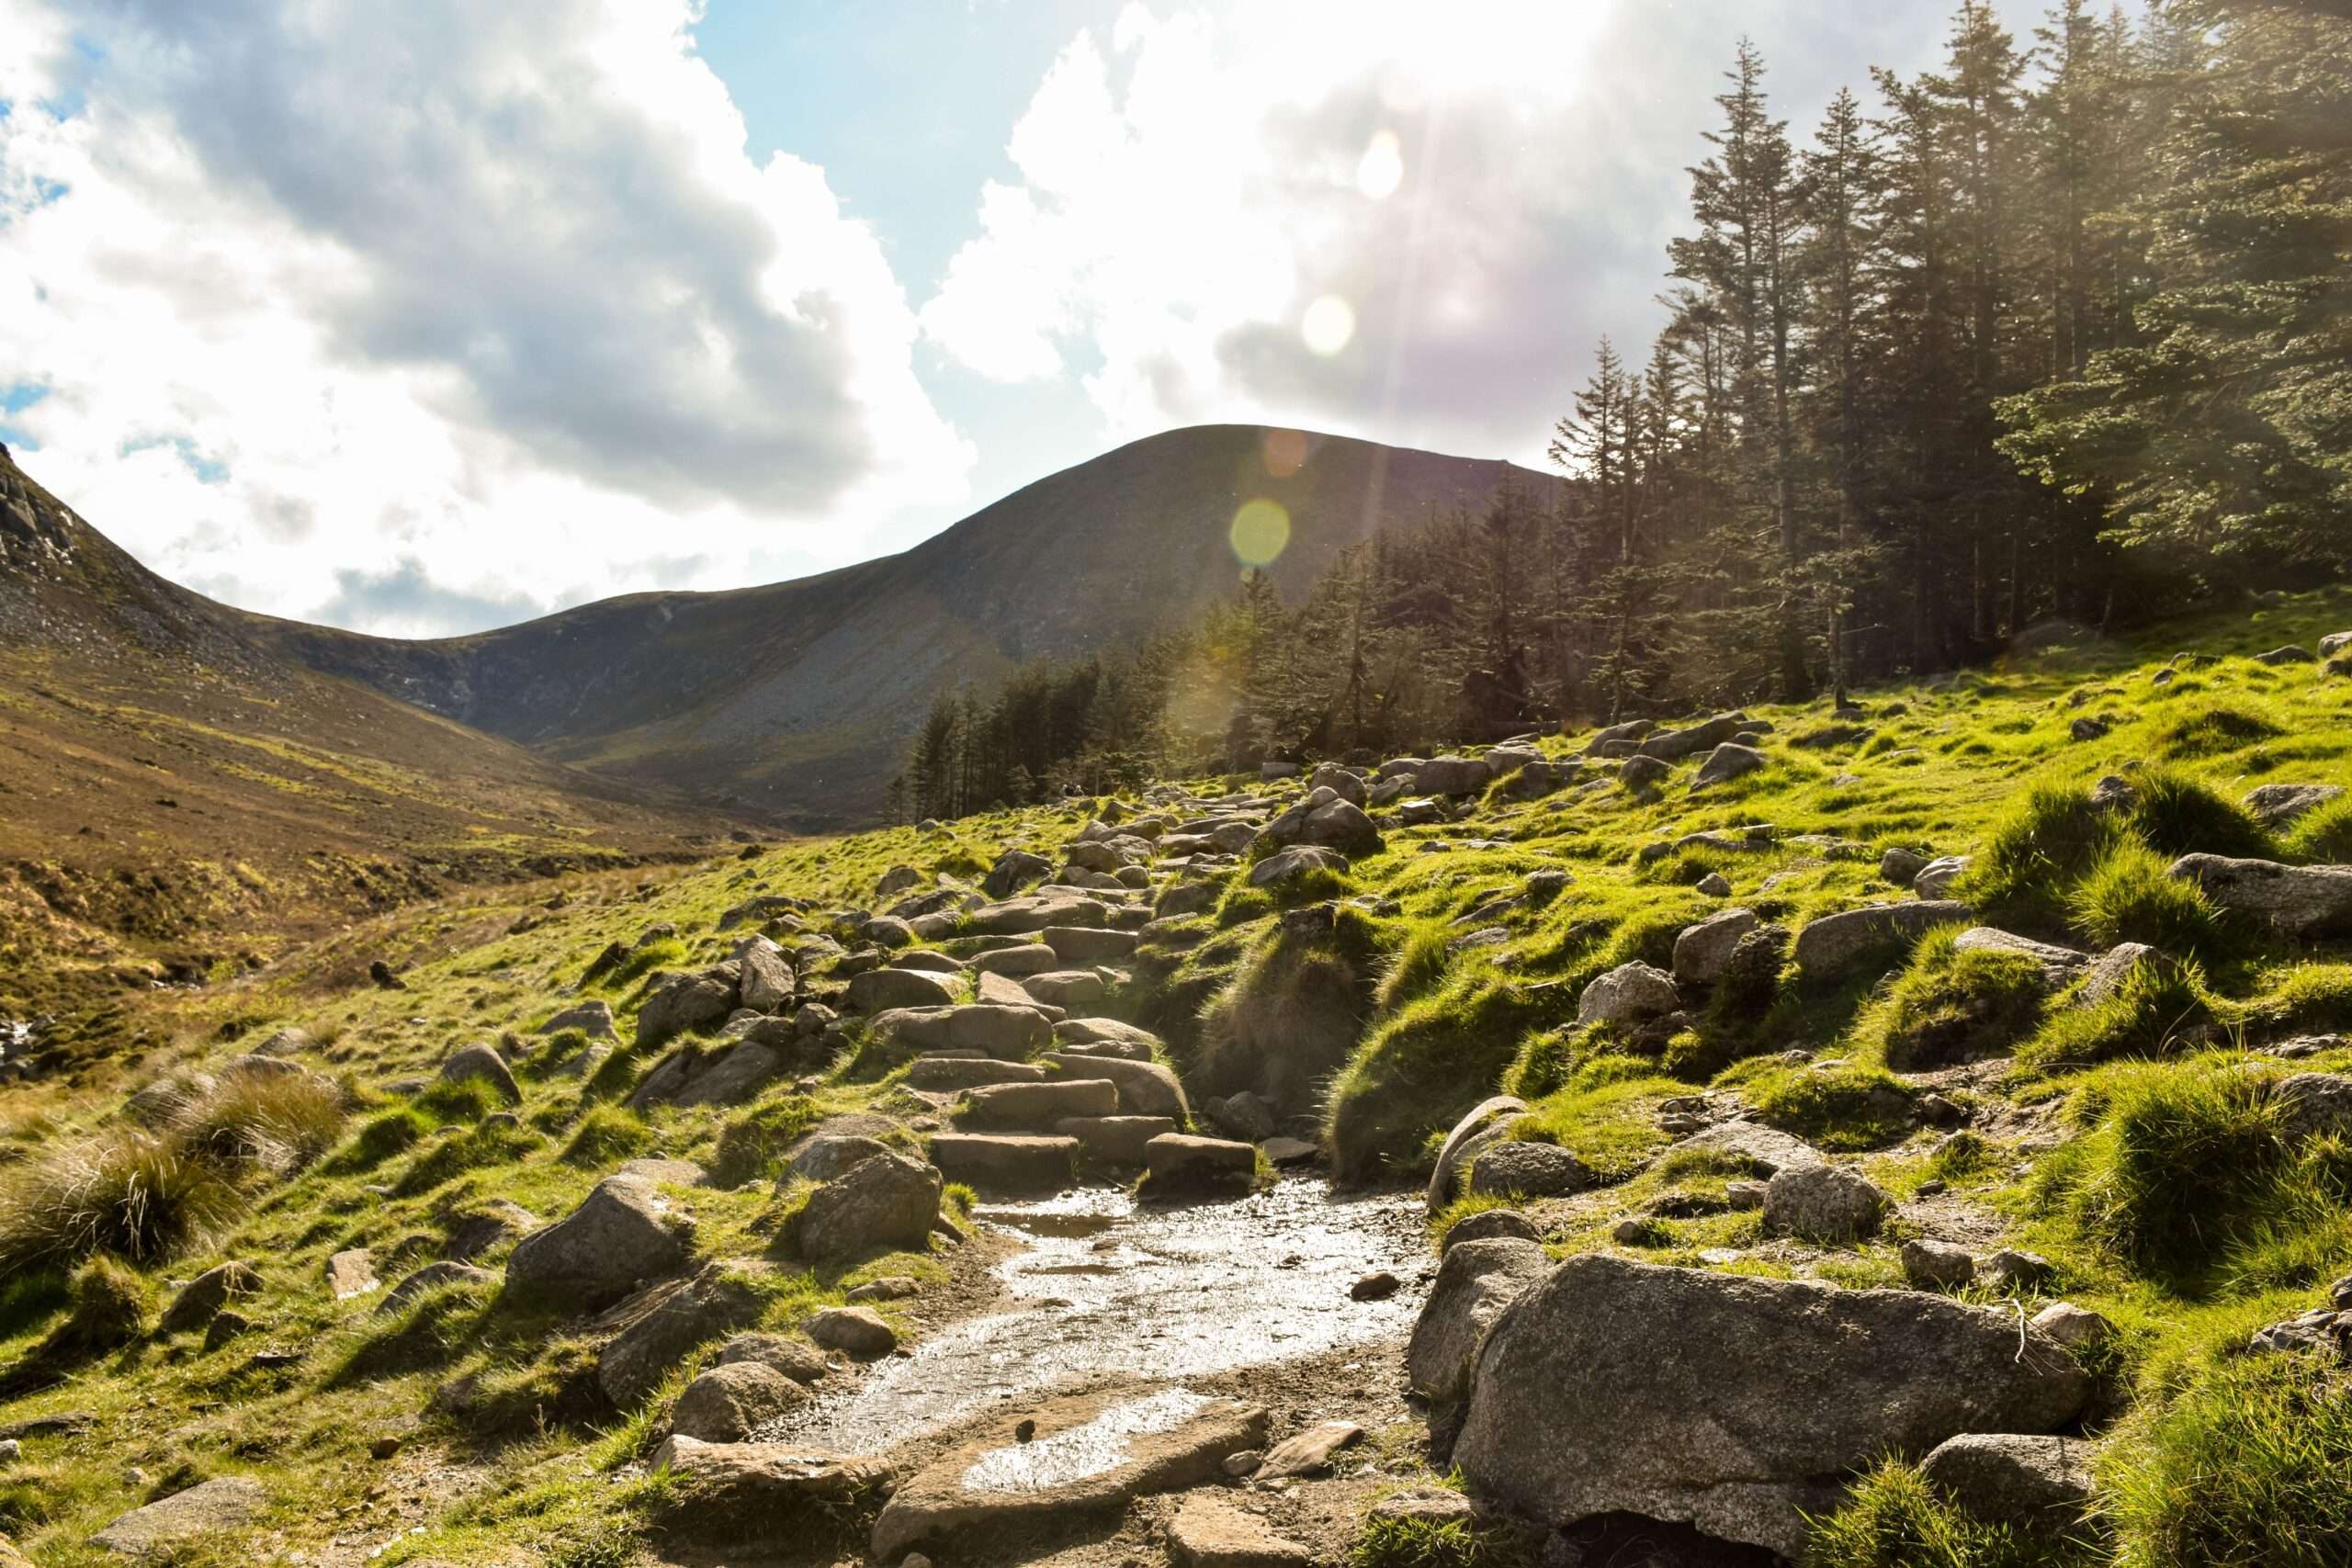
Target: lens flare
{"type": "Point", "coordinates": [1328, 324]}
{"type": "Point", "coordinates": [1382, 168]}
{"type": "Point", "coordinates": [1260, 531]}
{"type": "Point", "coordinates": [1285, 452]}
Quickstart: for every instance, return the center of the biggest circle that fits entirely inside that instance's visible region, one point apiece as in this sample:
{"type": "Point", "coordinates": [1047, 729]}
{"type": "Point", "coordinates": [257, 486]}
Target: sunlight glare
{"type": "Point", "coordinates": [1261, 532]}
{"type": "Point", "coordinates": [1285, 452]}
{"type": "Point", "coordinates": [1382, 168]}
{"type": "Point", "coordinates": [1328, 326]}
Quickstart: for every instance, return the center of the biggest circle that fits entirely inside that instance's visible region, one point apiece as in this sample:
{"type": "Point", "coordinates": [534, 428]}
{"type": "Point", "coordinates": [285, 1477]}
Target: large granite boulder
{"type": "Point", "coordinates": [1616, 1386]}
{"type": "Point", "coordinates": [1475, 1282]}
{"type": "Point", "coordinates": [1832, 946]}
{"type": "Point", "coordinates": [622, 1233]}
{"type": "Point", "coordinates": [886, 1203]}
{"type": "Point", "coordinates": [2293, 901]}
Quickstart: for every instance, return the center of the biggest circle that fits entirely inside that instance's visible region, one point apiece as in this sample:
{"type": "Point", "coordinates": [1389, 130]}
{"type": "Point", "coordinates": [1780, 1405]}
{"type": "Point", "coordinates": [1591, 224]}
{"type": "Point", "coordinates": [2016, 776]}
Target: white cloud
{"type": "Point", "coordinates": [1486, 187]}
{"type": "Point", "coordinates": [334, 288]}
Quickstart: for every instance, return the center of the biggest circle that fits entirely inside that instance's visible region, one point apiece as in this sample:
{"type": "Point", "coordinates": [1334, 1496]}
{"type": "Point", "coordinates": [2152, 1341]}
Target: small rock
{"type": "Point", "coordinates": [1824, 1203]}
{"type": "Point", "coordinates": [1376, 1286]}
{"type": "Point", "coordinates": [1311, 1452]}
{"type": "Point", "coordinates": [1937, 1265]}
{"type": "Point", "coordinates": [855, 1331]}
{"type": "Point", "coordinates": [2023, 1271]}
{"type": "Point", "coordinates": [2072, 1326]}
{"type": "Point", "coordinates": [1244, 1464]}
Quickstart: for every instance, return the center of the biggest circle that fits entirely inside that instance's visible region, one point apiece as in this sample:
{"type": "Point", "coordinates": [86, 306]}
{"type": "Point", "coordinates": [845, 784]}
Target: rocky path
{"type": "Point", "coordinates": [1105, 1291]}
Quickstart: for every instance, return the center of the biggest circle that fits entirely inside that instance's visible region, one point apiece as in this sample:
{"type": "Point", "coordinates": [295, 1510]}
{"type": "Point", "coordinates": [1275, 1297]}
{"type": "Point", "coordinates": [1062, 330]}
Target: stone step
{"type": "Point", "coordinates": [1006, 1162]}
{"type": "Point", "coordinates": [1180, 1163]}
{"type": "Point", "coordinates": [1035, 1107]}
{"type": "Point", "coordinates": [941, 1075]}
{"type": "Point", "coordinates": [1115, 1140]}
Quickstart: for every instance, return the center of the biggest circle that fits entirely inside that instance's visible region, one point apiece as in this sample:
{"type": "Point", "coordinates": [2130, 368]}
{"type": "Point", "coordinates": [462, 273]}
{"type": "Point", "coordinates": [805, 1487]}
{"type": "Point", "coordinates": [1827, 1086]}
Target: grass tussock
{"type": "Point", "coordinates": [133, 1195]}
{"type": "Point", "coordinates": [2160, 1008]}
{"type": "Point", "coordinates": [2128, 896]}
{"type": "Point", "coordinates": [1950, 1006]}
{"type": "Point", "coordinates": [2324, 835]}
{"type": "Point", "coordinates": [1893, 1518]}
{"type": "Point", "coordinates": [1429, 1543]}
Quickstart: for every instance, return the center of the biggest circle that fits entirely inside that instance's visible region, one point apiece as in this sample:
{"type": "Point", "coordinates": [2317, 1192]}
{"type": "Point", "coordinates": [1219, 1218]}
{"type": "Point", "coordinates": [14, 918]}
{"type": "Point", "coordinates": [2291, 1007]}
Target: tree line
{"type": "Point", "coordinates": [2059, 331]}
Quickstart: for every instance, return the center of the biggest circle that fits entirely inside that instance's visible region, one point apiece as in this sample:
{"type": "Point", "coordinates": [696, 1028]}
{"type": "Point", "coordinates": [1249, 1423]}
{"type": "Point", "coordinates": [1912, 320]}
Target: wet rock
{"type": "Point", "coordinates": [2294, 900]}
{"type": "Point", "coordinates": [2039, 1486]}
{"type": "Point", "coordinates": [1834, 944]}
{"type": "Point", "coordinates": [1005, 1162]}
{"type": "Point", "coordinates": [1179, 1163]}
{"type": "Point", "coordinates": [658, 1328]}
{"type": "Point", "coordinates": [1937, 1265]}
{"type": "Point", "coordinates": [1475, 1281]}
{"type": "Point", "coordinates": [156, 1531]}
{"type": "Point", "coordinates": [995, 1486]}
{"type": "Point", "coordinates": [1481, 1127]}
{"type": "Point", "coordinates": [1703, 952]}
{"type": "Point", "coordinates": [1582, 1407]}
{"type": "Point", "coordinates": [1631, 993]}
{"type": "Point", "coordinates": [207, 1295]}
{"type": "Point", "coordinates": [1528, 1169]}
{"type": "Point", "coordinates": [622, 1233]}
{"type": "Point", "coordinates": [1211, 1531]}
{"type": "Point", "coordinates": [1824, 1203]}
{"type": "Point", "coordinates": [729, 1403]}
{"type": "Point", "coordinates": [854, 1331]}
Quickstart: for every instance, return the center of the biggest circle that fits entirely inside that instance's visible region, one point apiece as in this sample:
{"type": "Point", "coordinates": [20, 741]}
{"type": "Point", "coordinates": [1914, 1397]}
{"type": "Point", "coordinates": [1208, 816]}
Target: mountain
{"type": "Point", "coordinates": [177, 794]}
{"type": "Point", "coordinates": [793, 702]}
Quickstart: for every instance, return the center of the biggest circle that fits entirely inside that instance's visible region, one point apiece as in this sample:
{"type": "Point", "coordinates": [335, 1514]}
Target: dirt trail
{"type": "Point", "coordinates": [1104, 1290]}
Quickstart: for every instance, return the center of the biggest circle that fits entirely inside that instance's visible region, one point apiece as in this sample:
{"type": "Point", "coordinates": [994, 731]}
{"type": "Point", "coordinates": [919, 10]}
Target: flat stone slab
{"type": "Point", "coordinates": [1115, 1140]}
{"type": "Point", "coordinates": [740, 1490]}
{"type": "Point", "coordinates": [1006, 1162]}
{"type": "Point", "coordinates": [1034, 1107]}
{"type": "Point", "coordinates": [1311, 1452]}
{"type": "Point", "coordinates": [1210, 1530]}
{"type": "Point", "coordinates": [230, 1503]}
{"type": "Point", "coordinates": [1084, 1456]}
{"type": "Point", "coordinates": [1179, 1162]}
{"type": "Point", "coordinates": [1767, 1150]}
{"type": "Point", "coordinates": [947, 1075]}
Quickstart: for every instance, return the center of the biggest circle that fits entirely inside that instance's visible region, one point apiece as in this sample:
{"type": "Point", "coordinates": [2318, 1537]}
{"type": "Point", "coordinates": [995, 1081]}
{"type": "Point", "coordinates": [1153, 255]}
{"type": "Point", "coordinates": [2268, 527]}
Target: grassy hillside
{"type": "Point", "coordinates": [178, 802]}
{"type": "Point", "coordinates": [2132, 1143]}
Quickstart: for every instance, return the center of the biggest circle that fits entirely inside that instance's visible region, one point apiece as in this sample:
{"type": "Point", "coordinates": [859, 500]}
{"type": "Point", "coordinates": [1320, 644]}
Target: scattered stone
{"type": "Point", "coordinates": [2325, 1331]}
{"type": "Point", "coordinates": [352, 1272]}
{"type": "Point", "coordinates": [1577, 1411]}
{"type": "Point", "coordinates": [1285, 866]}
{"type": "Point", "coordinates": [795, 1358]}
{"type": "Point", "coordinates": [880, 990]}
{"type": "Point", "coordinates": [657, 1328]}
{"type": "Point", "coordinates": [2313, 1105]}
{"type": "Point", "coordinates": [623, 1232]}
{"type": "Point", "coordinates": [2291, 654]}
{"type": "Point", "coordinates": [206, 1295]}
{"type": "Point", "coordinates": [1289, 1151]}
{"type": "Point", "coordinates": [2295, 900]}
{"type": "Point", "coordinates": [1768, 1151]}
{"type": "Point", "coordinates": [1834, 944]}
{"type": "Point", "coordinates": [1901, 866]}
{"type": "Point", "coordinates": [1715, 884]}
{"type": "Point", "coordinates": [2075, 1327]}
{"type": "Point", "coordinates": [1936, 878]}
{"type": "Point", "coordinates": [886, 1203]}
{"type": "Point", "coordinates": [593, 1019]}
{"type": "Point", "coordinates": [743, 1491]}
{"type": "Point", "coordinates": [154, 1531]}
{"type": "Point", "coordinates": [729, 1403]}
{"type": "Point", "coordinates": [1210, 1531]}
{"type": "Point", "coordinates": [1310, 1452]}
{"type": "Point", "coordinates": [1377, 1286]}
{"type": "Point", "coordinates": [1937, 1264]}
{"type": "Point", "coordinates": [2276, 804]}
{"type": "Point", "coordinates": [683, 1002]}
{"type": "Point", "coordinates": [2009, 1271]}
{"type": "Point", "coordinates": [1631, 993]}
{"type": "Point", "coordinates": [1725, 762]}
{"type": "Point", "coordinates": [431, 1277]}
{"type": "Point", "coordinates": [853, 1330]}
{"type": "Point", "coordinates": [1825, 1203]}
{"type": "Point", "coordinates": [1703, 952]}
{"type": "Point", "coordinates": [1516, 1168]}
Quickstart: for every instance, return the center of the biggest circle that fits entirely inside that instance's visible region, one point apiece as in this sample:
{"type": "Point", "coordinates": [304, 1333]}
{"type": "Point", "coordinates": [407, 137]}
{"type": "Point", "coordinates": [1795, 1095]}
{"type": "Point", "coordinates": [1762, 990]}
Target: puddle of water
{"type": "Point", "coordinates": [1107, 1288]}
{"type": "Point", "coordinates": [1097, 1446]}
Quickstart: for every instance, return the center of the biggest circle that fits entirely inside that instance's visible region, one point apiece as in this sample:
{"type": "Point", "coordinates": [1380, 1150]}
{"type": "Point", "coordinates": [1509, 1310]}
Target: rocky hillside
{"type": "Point", "coordinates": [795, 701]}
{"type": "Point", "coordinates": [1912, 1135]}
{"type": "Point", "coordinates": [178, 799]}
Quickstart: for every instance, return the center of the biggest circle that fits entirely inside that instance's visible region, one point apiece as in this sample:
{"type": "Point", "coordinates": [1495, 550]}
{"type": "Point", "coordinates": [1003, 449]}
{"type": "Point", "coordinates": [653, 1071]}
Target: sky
{"type": "Point", "coordinates": [427, 318]}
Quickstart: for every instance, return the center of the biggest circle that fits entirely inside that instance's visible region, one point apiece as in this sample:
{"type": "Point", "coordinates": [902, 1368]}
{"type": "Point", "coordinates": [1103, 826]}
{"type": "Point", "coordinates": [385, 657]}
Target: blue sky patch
{"type": "Point", "coordinates": [207, 470]}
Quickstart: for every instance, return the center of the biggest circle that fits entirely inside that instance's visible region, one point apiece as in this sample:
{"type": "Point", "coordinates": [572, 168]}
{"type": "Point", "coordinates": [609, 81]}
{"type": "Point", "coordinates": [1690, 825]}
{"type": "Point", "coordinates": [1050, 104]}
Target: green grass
{"type": "Point", "coordinates": [1950, 1006]}
{"type": "Point", "coordinates": [2128, 896]}
{"type": "Point", "coordinates": [1450, 1543]}
{"type": "Point", "coordinates": [1841, 1107]}
{"type": "Point", "coordinates": [2160, 1007]}
{"type": "Point", "coordinates": [1893, 1518]}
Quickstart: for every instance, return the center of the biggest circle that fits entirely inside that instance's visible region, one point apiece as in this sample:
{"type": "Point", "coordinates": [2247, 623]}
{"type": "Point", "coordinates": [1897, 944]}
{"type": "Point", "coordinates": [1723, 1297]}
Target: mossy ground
{"type": "Point", "coordinates": [2099, 1127]}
